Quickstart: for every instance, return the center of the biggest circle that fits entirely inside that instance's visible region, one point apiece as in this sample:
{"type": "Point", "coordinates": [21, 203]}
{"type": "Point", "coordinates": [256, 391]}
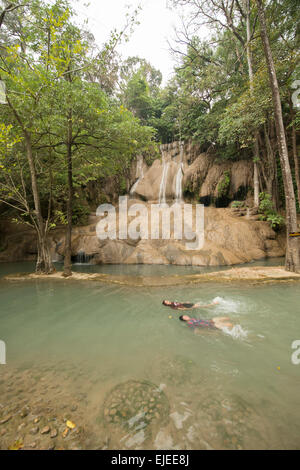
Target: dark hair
{"type": "Point", "coordinates": [164, 302]}
{"type": "Point", "coordinates": [181, 318]}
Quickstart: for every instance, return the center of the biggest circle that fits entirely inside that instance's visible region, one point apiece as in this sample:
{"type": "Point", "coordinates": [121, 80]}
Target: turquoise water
{"type": "Point", "coordinates": [75, 342]}
{"type": "Point", "coordinates": [135, 269]}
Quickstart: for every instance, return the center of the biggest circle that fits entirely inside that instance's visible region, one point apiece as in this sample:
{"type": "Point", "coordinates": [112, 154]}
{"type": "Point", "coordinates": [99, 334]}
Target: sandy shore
{"type": "Point", "coordinates": [254, 274]}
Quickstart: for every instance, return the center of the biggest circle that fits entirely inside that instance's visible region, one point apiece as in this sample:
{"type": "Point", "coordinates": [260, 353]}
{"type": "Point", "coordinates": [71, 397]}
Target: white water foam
{"type": "Point", "coordinates": [227, 305]}
{"type": "Point", "coordinates": [237, 332]}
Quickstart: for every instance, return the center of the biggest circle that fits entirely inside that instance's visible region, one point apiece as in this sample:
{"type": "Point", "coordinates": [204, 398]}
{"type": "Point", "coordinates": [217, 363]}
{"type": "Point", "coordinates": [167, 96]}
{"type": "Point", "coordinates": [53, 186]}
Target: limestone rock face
{"type": "Point", "coordinates": [230, 237]}
{"type": "Point", "coordinates": [202, 174]}
{"type": "Point", "coordinates": [229, 240]}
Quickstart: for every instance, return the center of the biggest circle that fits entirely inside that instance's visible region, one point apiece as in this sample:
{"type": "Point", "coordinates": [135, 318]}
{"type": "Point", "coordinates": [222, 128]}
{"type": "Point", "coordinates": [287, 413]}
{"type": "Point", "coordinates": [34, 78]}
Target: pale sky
{"type": "Point", "coordinates": [149, 39]}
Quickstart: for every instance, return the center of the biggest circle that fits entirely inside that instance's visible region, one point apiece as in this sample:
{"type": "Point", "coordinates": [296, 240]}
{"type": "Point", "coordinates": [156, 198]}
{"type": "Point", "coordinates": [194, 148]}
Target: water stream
{"type": "Point", "coordinates": [139, 174]}
{"type": "Point", "coordinates": [179, 177]}
{"type": "Point", "coordinates": [164, 179]}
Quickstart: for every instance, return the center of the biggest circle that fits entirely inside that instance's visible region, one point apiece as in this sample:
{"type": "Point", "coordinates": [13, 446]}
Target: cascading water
{"type": "Point", "coordinates": [139, 173]}
{"type": "Point", "coordinates": [164, 178]}
{"type": "Point", "coordinates": [179, 177]}
{"type": "Point", "coordinates": [82, 258]}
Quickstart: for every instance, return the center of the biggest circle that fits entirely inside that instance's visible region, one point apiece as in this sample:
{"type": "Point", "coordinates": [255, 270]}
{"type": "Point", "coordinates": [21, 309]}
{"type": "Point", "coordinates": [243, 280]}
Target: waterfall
{"type": "Point", "coordinates": [179, 177]}
{"type": "Point", "coordinates": [139, 173]}
{"type": "Point", "coordinates": [164, 178]}
{"type": "Point", "coordinates": [82, 258]}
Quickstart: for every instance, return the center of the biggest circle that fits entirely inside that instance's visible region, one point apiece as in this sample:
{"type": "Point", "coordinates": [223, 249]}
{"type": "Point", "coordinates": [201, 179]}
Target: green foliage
{"type": "Point", "coordinates": [52, 73]}
{"type": "Point", "coordinates": [224, 184]}
{"type": "Point", "coordinates": [238, 204]}
{"type": "Point", "coordinates": [246, 114]}
{"type": "Point", "coordinates": [268, 213]}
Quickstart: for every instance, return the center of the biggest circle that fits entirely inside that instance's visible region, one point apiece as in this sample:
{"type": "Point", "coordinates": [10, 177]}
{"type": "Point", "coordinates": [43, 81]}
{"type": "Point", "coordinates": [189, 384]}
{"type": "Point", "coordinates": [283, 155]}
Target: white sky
{"type": "Point", "coordinates": [149, 39]}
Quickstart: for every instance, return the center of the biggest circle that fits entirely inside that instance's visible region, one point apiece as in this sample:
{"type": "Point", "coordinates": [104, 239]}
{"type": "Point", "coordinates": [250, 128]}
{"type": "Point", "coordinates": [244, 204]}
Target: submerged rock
{"type": "Point", "coordinates": [45, 430]}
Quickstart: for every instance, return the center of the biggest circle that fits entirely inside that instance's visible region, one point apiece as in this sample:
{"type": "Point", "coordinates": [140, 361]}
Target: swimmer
{"type": "Point", "coordinates": [186, 305]}
{"type": "Point", "coordinates": [217, 323]}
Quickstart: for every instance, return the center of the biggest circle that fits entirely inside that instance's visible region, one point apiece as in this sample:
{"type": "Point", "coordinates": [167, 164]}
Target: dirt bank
{"type": "Point", "coordinates": [250, 275]}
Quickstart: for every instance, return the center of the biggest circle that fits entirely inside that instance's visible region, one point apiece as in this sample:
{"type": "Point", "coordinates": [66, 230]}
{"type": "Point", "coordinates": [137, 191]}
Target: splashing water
{"type": "Point", "coordinates": [237, 332]}
{"type": "Point", "coordinates": [227, 305]}
{"type": "Point", "coordinates": [231, 306]}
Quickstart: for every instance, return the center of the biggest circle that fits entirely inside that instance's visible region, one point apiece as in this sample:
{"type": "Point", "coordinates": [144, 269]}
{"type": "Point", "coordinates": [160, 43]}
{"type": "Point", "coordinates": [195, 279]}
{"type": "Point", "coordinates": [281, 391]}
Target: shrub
{"type": "Point", "coordinates": [238, 204]}
{"type": "Point", "coordinates": [224, 184]}
{"type": "Point", "coordinates": [268, 213]}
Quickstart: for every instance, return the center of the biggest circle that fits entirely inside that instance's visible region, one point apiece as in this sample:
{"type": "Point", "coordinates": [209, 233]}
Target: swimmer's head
{"type": "Point", "coordinates": [167, 302]}
{"type": "Point", "coordinates": [184, 318]}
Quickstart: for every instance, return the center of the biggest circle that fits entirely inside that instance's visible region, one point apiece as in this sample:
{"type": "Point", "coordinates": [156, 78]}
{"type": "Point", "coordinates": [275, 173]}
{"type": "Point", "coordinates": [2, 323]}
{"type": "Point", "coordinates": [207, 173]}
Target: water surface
{"type": "Point", "coordinates": [137, 377]}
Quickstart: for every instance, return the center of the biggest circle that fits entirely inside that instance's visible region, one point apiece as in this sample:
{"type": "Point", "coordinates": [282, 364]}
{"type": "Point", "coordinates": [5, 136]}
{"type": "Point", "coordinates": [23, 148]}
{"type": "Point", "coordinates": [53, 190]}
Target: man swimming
{"type": "Point", "coordinates": [186, 305]}
{"type": "Point", "coordinates": [217, 323]}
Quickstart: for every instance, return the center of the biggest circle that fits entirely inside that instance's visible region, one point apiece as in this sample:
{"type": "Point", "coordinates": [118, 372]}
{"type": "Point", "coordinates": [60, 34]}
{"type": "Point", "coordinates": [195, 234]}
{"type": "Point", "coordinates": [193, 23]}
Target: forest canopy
{"type": "Point", "coordinates": [76, 112]}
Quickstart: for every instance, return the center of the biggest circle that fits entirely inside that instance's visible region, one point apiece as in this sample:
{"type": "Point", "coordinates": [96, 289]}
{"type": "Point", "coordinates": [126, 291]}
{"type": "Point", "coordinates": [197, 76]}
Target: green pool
{"type": "Point", "coordinates": [129, 375]}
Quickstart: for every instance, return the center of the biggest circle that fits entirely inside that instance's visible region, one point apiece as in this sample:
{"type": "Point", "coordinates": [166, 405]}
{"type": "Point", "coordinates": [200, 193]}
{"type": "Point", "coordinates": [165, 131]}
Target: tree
{"type": "Point", "coordinates": [71, 130]}
{"type": "Point", "coordinates": [140, 89]}
{"type": "Point", "coordinates": [292, 262]}
{"type": "Point", "coordinates": [8, 8]}
{"type": "Point", "coordinates": [235, 17]}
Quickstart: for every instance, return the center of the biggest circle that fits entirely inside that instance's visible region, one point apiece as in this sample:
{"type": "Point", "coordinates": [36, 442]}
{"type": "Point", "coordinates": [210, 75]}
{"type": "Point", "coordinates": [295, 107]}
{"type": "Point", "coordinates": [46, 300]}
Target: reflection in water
{"type": "Point", "coordinates": [132, 270]}
{"type": "Point", "coordinates": [109, 359]}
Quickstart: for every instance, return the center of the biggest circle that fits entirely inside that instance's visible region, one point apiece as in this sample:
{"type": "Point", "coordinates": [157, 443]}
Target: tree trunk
{"type": "Point", "coordinates": [271, 176]}
{"type": "Point", "coordinates": [295, 151]}
{"type": "Point", "coordinates": [44, 263]}
{"type": "Point", "coordinates": [68, 242]}
{"type": "Point", "coordinates": [250, 71]}
{"type": "Point", "coordinates": [292, 261]}
{"type": "Point", "coordinates": [256, 184]}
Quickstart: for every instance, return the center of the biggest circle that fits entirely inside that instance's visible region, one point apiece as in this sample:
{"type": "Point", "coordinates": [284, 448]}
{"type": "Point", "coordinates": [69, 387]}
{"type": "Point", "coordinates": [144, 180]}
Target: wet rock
{"type": "Point", "coordinates": [53, 433]}
{"type": "Point", "coordinates": [45, 430]}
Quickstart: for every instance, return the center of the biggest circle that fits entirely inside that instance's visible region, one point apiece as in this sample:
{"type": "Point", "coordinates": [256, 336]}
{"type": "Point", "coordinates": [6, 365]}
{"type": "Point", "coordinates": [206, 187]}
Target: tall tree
{"type": "Point", "coordinates": [292, 262]}
{"type": "Point", "coordinates": [69, 127]}
{"type": "Point", "coordinates": [24, 92]}
{"type": "Point", "coordinates": [233, 16]}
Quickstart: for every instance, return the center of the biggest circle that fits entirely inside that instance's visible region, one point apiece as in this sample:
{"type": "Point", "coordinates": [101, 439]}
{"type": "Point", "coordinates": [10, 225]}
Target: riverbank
{"type": "Point", "coordinates": [255, 274]}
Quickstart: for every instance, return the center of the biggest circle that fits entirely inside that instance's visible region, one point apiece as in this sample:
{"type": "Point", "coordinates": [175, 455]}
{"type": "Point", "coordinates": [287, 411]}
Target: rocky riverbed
{"type": "Point", "coordinates": [39, 410]}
